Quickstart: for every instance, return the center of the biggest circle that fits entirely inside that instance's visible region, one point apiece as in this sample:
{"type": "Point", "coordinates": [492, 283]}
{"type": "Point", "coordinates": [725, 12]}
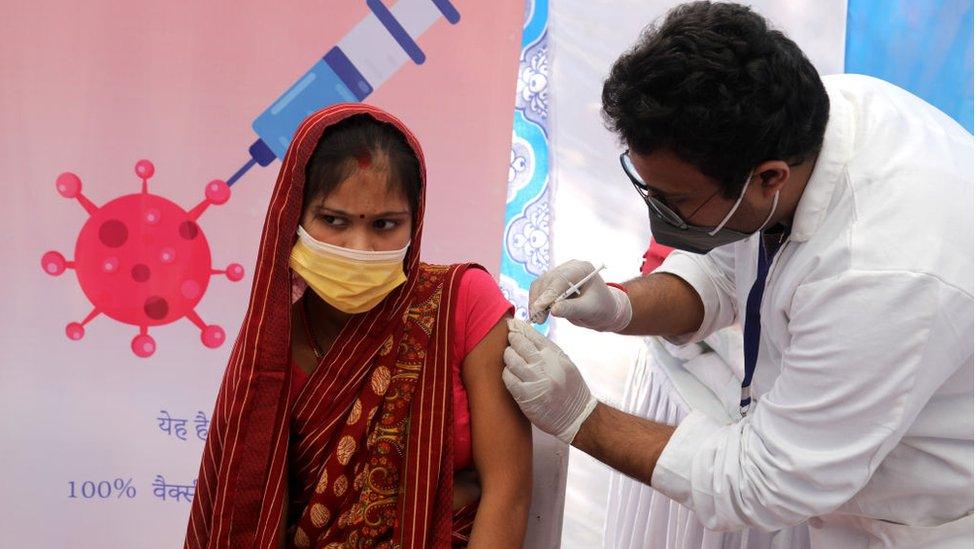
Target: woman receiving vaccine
{"type": "Point", "coordinates": [363, 404]}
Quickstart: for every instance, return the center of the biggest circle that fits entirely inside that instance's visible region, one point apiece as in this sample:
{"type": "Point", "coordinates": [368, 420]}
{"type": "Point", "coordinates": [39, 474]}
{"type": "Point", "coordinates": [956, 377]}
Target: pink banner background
{"type": "Point", "coordinates": [93, 87]}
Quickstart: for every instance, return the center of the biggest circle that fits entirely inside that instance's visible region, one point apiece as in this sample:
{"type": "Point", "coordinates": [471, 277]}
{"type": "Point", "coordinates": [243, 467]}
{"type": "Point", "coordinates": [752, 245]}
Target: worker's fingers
{"type": "Point", "coordinates": [523, 392]}
{"type": "Point", "coordinates": [524, 373]}
{"type": "Point", "coordinates": [548, 287]}
{"type": "Point", "coordinates": [517, 364]}
{"type": "Point", "coordinates": [512, 381]}
{"type": "Point", "coordinates": [538, 286]}
{"type": "Point", "coordinates": [531, 335]}
{"type": "Point", "coordinates": [539, 317]}
{"type": "Point", "coordinates": [576, 308]}
{"type": "Point", "coordinates": [564, 309]}
{"type": "Point", "coordinates": [521, 345]}
{"type": "Point", "coordinates": [539, 307]}
{"type": "Point", "coordinates": [516, 326]}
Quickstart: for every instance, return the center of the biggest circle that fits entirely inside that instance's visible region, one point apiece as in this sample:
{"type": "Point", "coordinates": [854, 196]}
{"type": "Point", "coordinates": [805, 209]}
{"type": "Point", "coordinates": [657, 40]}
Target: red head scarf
{"type": "Point", "coordinates": [366, 446]}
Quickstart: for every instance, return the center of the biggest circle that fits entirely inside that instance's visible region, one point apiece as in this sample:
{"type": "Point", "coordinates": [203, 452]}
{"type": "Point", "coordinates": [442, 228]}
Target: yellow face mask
{"type": "Point", "coordinates": [352, 281]}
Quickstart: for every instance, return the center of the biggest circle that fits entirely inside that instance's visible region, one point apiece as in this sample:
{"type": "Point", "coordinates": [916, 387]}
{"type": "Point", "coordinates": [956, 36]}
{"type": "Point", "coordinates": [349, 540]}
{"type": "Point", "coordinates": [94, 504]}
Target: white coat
{"type": "Point", "coordinates": [863, 412]}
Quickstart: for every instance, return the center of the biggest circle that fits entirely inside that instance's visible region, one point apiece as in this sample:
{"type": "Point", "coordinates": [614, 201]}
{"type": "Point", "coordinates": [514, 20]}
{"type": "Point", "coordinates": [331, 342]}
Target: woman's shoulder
{"type": "Point", "coordinates": [469, 277]}
{"type": "Point", "coordinates": [479, 297]}
{"type": "Point", "coordinates": [438, 267]}
{"type": "Point", "coordinates": [430, 270]}
{"type": "Point", "coordinates": [476, 280]}
{"type": "Point", "coordinates": [479, 306]}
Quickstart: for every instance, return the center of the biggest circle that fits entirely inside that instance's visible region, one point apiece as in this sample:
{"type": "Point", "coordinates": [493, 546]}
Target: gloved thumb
{"type": "Point", "coordinates": [523, 392]}
{"type": "Point", "coordinates": [512, 382]}
{"type": "Point", "coordinates": [565, 309]}
{"type": "Point", "coordinates": [540, 308]}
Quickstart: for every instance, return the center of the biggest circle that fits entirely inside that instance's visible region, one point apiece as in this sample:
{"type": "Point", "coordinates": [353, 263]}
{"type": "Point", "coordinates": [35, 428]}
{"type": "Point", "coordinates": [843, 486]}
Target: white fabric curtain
{"type": "Point", "coordinates": [664, 384]}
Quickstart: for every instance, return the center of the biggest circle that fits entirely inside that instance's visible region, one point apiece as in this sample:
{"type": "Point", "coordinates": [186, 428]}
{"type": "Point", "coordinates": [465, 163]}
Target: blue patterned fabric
{"type": "Point", "coordinates": [525, 251]}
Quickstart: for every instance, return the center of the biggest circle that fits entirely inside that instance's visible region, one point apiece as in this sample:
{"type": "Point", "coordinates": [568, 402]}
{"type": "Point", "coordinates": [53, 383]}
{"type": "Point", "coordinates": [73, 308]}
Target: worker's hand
{"type": "Point", "coordinates": [597, 306]}
{"type": "Point", "coordinates": [545, 383]}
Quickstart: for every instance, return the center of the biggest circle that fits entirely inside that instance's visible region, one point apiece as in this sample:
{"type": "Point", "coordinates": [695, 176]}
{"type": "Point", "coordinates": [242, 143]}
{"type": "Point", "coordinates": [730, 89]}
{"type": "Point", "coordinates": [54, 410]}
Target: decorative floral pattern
{"type": "Point", "coordinates": [527, 237]}
{"type": "Point", "coordinates": [521, 166]}
{"type": "Point", "coordinates": [525, 253]}
{"type": "Point", "coordinates": [355, 499]}
{"type": "Point", "coordinates": [532, 87]}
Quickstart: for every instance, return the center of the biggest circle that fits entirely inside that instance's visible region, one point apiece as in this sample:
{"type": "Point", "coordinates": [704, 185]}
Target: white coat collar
{"type": "Point", "coordinates": [838, 143]}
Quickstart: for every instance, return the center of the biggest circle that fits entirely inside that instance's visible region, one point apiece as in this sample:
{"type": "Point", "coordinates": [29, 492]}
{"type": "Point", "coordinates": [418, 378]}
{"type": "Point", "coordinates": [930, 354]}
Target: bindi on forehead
{"type": "Point", "coordinates": [364, 159]}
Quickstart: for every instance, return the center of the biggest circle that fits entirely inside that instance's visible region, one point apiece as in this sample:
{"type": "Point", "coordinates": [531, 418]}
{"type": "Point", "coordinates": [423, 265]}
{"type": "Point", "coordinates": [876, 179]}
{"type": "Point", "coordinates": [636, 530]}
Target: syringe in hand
{"type": "Point", "coordinates": [574, 288]}
{"type": "Point", "coordinates": [359, 63]}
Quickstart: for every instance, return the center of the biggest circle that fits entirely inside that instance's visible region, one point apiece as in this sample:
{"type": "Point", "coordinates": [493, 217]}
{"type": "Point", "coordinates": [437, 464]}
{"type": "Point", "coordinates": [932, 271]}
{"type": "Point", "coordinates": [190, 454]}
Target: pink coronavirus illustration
{"type": "Point", "coordinates": [142, 260]}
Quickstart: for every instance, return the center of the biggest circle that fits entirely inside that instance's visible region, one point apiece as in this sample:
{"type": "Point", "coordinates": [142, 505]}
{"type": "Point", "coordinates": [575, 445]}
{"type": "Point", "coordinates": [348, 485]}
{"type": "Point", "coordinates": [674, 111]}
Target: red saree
{"type": "Point", "coordinates": [365, 450]}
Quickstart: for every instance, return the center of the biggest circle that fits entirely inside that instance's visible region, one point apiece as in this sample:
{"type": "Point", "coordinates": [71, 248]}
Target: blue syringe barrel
{"type": "Point", "coordinates": [362, 60]}
{"type": "Point", "coordinates": [333, 79]}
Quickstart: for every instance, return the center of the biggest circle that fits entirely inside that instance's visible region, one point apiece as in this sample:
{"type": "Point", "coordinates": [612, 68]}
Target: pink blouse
{"type": "Point", "coordinates": [480, 305]}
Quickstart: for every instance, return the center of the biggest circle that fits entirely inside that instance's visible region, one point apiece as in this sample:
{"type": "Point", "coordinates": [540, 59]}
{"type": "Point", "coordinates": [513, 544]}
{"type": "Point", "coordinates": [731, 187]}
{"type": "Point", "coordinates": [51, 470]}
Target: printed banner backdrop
{"type": "Point", "coordinates": [123, 122]}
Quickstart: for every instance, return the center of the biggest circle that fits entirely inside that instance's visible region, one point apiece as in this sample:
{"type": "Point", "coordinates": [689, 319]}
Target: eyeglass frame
{"type": "Point", "coordinates": [657, 206]}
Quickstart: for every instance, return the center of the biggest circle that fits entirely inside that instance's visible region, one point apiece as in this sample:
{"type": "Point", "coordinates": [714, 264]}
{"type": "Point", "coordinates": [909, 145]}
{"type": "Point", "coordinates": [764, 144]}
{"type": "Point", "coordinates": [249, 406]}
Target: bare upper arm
{"type": "Point", "coordinates": [501, 436]}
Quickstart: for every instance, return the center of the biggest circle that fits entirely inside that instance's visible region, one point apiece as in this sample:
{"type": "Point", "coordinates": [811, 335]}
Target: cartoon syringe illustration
{"type": "Point", "coordinates": [143, 260]}
{"type": "Point", "coordinates": [362, 60]}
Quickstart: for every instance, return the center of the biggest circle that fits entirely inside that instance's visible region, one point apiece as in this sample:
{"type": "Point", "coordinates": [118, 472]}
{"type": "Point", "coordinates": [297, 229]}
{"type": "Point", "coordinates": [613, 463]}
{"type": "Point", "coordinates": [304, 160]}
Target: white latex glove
{"type": "Point", "coordinates": [545, 383]}
{"type": "Point", "coordinates": [597, 306]}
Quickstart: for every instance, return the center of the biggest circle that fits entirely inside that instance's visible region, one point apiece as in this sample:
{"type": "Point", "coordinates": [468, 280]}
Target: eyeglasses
{"type": "Point", "coordinates": [657, 206]}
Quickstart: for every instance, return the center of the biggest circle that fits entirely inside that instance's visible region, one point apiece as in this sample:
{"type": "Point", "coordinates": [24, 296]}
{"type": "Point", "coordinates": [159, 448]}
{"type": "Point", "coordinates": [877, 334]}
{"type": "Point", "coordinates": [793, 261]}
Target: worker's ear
{"type": "Point", "coordinates": [773, 174]}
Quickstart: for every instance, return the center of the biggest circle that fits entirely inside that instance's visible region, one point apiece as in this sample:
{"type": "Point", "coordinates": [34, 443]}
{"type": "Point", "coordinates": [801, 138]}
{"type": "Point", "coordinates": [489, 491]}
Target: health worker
{"type": "Point", "coordinates": [833, 218]}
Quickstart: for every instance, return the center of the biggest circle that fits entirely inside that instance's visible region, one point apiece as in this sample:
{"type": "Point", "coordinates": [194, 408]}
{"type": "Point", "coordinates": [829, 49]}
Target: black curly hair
{"type": "Point", "coordinates": [718, 87]}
